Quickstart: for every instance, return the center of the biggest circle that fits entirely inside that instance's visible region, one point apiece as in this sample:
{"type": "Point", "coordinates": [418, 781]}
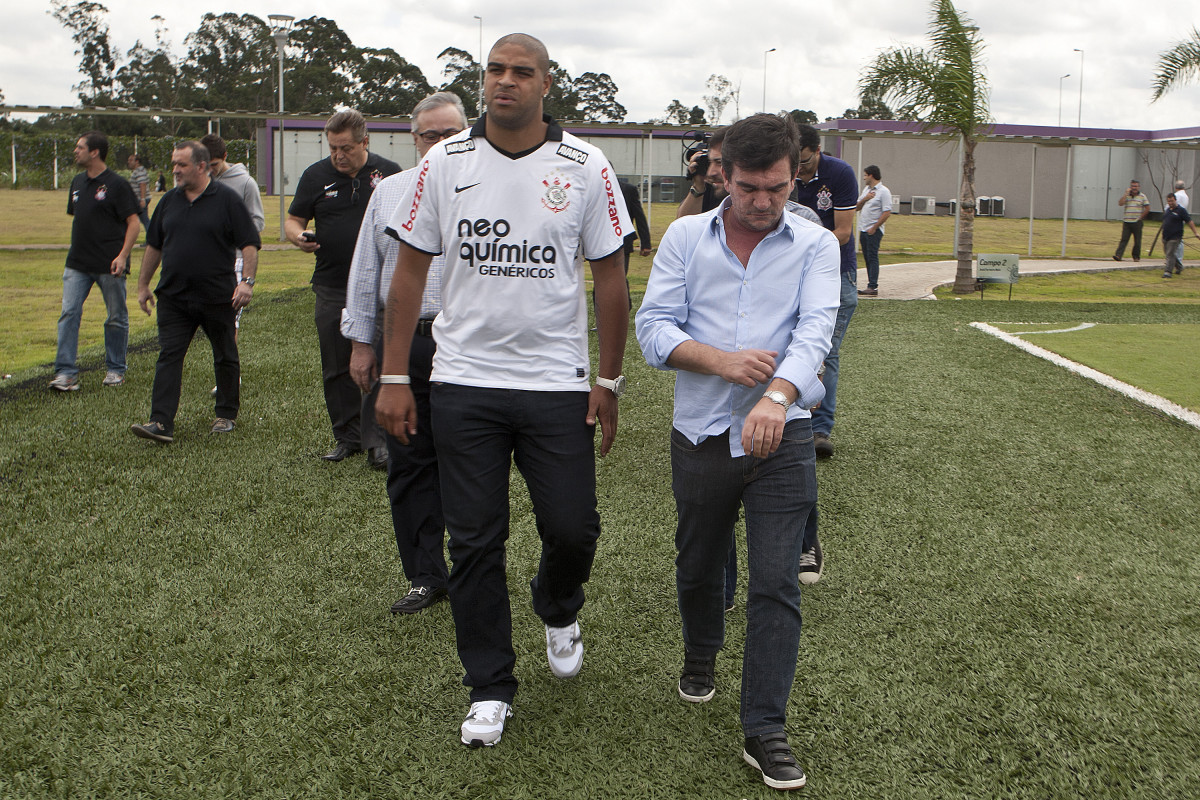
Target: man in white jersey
{"type": "Point", "coordinates": [511, 202]}
{"type": "Point", "coordinates": [413, 490]}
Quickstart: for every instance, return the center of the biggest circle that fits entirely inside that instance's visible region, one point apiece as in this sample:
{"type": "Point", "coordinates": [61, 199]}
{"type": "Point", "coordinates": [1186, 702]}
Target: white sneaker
{"type": "Point", "coordinates": [65, 383]}
{"type": "Point", "coordinates": [564, 650]}
{"type": "Point", "coordinates": [485, 723]}
{"type": "Point", "coordinates": [114, 378]}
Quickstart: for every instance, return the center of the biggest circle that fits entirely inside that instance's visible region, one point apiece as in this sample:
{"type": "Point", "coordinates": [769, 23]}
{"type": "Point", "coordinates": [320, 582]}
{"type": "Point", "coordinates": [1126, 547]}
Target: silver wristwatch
{"type": "Point", "coordinates": [778, 397]}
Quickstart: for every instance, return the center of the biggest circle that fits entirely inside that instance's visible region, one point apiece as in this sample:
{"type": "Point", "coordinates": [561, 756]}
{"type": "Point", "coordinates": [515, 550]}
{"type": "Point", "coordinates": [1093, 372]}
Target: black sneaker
{"type": "Point", "coordinates": [822, 445]}
{"type": "Point", "coordinates": [696, 684]}
{"type": "Point", "coordinates": [152, 430]}
{"type": "Point", "coordinates": [771, 755]}
{"type": "Point", "coordinates": [418, 599]}
{"type": "Point", "coordinates": [812, 561]}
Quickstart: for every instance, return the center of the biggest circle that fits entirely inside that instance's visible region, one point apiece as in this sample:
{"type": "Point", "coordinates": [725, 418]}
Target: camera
{"type": "Point", "coordinates": [695, 143]}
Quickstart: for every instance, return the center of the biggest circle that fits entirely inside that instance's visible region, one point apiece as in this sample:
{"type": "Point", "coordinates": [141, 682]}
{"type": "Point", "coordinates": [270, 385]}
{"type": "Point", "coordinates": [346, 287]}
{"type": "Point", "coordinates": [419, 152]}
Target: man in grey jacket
{"type": "Point", "coordinates": [238, 178]}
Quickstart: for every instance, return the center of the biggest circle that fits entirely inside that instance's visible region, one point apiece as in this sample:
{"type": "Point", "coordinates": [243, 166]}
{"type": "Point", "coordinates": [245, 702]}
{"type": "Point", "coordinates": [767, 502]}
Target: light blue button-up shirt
{"type": "Point", "coordinates": [785, 299]}
{"type": "Point", "coordinates": [374, 263]}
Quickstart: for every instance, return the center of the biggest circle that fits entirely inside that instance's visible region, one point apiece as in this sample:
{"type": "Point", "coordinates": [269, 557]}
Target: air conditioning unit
{"type": "Point", "coordinates": [923, 205]}
{"type": "Point", "coordinates": [997, 206]}
{"type": "Point", "coordinates": [983, 206]}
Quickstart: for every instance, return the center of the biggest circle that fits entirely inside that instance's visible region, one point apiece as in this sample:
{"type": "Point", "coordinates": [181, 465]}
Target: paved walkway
{"type": "Point", "coordinates": [917, 280]}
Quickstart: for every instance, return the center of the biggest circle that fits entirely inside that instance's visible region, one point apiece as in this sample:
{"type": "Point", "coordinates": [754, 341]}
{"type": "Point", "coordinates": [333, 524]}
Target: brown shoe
{"type": "Point", "coordinates": [868, 292]}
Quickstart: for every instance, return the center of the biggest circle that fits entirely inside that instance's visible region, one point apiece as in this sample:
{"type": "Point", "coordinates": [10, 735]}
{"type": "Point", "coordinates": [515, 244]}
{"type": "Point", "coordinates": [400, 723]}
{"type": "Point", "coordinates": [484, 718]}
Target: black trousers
{"type": "Point", "coordinates": [1133, 229]}
{"type": "Point", "coordinates": [413, 489]}
{"type": "Point", "coordinates": [351, 413]}
{"type": "Point", "coordinates": [178, 320]}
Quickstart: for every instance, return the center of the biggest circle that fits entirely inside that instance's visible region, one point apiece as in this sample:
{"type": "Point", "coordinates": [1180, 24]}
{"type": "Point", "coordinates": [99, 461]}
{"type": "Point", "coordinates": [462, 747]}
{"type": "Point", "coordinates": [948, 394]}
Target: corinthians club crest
{"type": "Point", "coordinates": [556, 198]}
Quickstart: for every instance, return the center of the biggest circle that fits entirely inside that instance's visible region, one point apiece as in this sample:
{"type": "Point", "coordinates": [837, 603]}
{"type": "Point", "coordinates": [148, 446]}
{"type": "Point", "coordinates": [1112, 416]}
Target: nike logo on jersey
{"type": "Point", "coordinates": [458, 189]}
{"type": "Point", "coordinates": [329, 186]}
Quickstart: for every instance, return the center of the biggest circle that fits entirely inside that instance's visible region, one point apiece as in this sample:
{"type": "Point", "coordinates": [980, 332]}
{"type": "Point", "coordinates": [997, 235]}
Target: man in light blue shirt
{"type": "Point", "coordinates": [741, 302]}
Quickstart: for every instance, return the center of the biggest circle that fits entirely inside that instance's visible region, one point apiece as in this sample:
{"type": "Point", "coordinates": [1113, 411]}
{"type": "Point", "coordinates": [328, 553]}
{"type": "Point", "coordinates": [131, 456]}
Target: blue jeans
{"type": "Point", "coordinates": [776, 493]}
{"type": "Point", "coordinates": [869, 244]}
{"type": "Point", "coordinates": [76, 286]}
{"type": "Point", "coordinates": [479, 433]}
{"type": "Point", "coordinates": [822, 418]}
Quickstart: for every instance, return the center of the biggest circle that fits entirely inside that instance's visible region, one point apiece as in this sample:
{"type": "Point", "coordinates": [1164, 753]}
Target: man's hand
{"type": "Point", "coordinates": [602, 406]}
{"type": "Point", "coordinates": [763, 430]}
{"type": "Point", "coordinates": [747, 367]}
{"type": "Point", "coordinates": [241, 295]}
{"type": "Point", "coordinates": [306, 245]}
{"type": "Point", "coordinates": [396, 410]}
{"type": "Point", "coordinates": [117, 267]}
{"type": "Point", "coordinates": [363, 367]}
{"type": "Point", "coordinates": [145, 299]}
{"type": "Point", "coordinates": [645, 251]}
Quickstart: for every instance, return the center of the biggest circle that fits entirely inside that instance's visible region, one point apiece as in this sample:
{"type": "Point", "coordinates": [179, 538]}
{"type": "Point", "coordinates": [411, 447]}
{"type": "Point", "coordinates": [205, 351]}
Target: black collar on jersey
{"type": "Point", "coordinates": [554, 133]}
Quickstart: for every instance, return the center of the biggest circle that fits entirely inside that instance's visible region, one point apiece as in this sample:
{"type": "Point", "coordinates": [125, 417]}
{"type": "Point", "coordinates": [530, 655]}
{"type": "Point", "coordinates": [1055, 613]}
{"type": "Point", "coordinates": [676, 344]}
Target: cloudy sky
{"type": "Point", "coordinates": [657, 52]}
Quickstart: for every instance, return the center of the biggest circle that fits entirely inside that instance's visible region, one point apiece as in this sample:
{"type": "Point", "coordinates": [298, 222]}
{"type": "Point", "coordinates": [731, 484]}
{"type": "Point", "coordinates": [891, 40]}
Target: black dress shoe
{"type": "Point", "coordinates": [341, 452]}
{"type": "Point", "coordinates": [377, 457]}
{"type": "Point", "coordinates": [418, 598]}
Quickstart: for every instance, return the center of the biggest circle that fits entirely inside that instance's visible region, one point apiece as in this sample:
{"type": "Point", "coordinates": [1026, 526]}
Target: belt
{"type": "Point", "coordinates": [425, 327]}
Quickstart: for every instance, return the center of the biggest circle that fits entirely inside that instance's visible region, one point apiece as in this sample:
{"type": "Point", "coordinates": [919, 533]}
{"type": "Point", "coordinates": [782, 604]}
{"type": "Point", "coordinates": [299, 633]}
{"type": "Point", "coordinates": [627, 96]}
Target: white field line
{"type": "Point", "coordinates": [1140, 395]}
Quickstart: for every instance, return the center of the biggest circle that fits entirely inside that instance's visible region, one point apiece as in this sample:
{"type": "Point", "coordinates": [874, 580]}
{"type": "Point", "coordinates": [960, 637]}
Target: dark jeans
{"type": "Point", "coordinates": [178, 320]}
{"type": "Point", "coordinates": [1133, 229]}
{"type": "Point", "coordinates": [776, 493]}
{"type": "Point", "coordinates": [822, 418]}
{"type": "Point", "coordinates": [479, 433]}
{"type": "Point", "coordinates": [413, 488]}
{"type": "Point", "coordinates": [351, 413]}
{"type": "Point", "coordinates": [869, 244]}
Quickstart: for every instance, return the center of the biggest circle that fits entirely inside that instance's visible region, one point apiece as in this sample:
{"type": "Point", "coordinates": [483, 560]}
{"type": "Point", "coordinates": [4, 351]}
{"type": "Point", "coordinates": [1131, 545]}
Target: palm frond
{"type": "Point", "coordinates": [1179, 65]}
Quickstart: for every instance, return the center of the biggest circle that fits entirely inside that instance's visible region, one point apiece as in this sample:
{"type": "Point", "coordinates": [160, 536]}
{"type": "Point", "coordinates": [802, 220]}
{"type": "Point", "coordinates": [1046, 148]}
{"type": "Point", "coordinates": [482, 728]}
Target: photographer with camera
{"type": "Point", "coordinates": [702, 154]}
{"type": "Point", "coordinates": [1136, 208]}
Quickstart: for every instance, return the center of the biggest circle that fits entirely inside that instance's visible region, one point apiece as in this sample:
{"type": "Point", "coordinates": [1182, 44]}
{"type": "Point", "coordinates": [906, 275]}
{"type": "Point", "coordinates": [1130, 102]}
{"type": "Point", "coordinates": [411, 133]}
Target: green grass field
{"type": "Point", "coordinates": [1007, 609]}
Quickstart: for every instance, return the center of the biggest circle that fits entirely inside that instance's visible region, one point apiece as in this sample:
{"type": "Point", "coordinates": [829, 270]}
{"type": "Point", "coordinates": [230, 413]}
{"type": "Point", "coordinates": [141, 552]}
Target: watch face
{"type": "Point", "coordinates": [619, 388]}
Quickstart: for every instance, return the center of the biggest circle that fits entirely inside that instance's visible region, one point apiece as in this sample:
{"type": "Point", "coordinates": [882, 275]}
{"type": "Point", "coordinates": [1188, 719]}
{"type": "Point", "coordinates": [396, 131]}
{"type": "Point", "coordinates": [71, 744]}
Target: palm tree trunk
{"type": "Point", "coordinates": [964, 278]}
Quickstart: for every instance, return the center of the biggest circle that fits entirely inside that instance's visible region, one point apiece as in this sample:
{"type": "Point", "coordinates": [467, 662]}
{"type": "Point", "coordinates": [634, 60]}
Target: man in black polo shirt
{"type": "Point", "coordinates": [334, 192]}
{"type": "Point", "coordinates": [195, 232]}
{"type": "Point", "coordinates": [103, 230]}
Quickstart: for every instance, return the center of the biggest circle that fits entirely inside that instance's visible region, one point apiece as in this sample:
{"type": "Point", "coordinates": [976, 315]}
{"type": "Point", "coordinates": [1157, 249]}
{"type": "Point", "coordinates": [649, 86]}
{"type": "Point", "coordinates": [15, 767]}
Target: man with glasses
{"type": "Point", "coordinates": [334, 193]}
{"type": "Point", "coordinates": [413, 491]}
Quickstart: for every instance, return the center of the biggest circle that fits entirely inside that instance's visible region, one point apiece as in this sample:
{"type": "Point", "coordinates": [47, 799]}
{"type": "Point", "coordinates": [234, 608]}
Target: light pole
{"type": "Point", "coordinates": [480, 108]}
{"type": "Point", "coordinates": [281, 25]}
{"type": "Point", "coordinates": [1079, 119]}
{"type": "Point", "coordinates": [1060, 80]}
{"type": "Point", "coordinates": [764, 105]}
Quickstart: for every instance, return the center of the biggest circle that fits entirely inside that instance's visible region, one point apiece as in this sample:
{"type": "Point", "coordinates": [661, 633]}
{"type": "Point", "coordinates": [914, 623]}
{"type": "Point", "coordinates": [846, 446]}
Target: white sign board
{"type": "Point", "coordinates": [997, 268]}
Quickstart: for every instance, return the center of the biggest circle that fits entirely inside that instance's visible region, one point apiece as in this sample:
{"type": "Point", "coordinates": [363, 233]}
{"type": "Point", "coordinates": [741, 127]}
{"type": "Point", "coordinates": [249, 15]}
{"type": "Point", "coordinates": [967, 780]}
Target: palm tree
{"type": "Point", "coordinates": [1178, 65]}
{"type": "Point", "coordinates": [945, 88]}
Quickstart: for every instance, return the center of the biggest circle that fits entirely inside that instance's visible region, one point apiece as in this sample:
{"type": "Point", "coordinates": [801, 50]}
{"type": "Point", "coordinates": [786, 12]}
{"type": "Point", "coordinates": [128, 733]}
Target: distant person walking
{"type": "Point", "coordinates": [874, 207]}
{"type": "Point", "coordinates": [103, 230]}
{"type": "Point", "coordinates": [1136, 208]}
{"type": "Point", "coordinates": [140, 179]}
{"type": "Point", "coordinates": [1181, 197]}
{"type": "Point", "coordinates": [1174, 217]}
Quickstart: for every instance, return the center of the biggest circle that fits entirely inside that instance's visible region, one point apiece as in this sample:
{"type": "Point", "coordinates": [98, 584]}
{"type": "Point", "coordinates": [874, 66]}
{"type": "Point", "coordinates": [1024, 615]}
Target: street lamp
{"type": "Point", "coordinates": [764, 105]}
{"type": "Point", "coordinates": [281, 25]}
{"type": "Point", "coordinates": [1060, 80]}
{"type": "Point", "coordinates": [1079, 119]}
{"type": "Point", "coordinates": [480, 109]}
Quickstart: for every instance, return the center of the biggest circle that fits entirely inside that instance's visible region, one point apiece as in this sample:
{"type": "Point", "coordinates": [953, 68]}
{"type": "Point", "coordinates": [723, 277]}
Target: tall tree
{"type": "Point", "coordinates": [1178, 65]}
{"type": "Point", "coordinates": [89, 29]}
{"type": "Point", "coordinates": [944, 87]}
{"type": "Point", "coordinates": [230, 64]}
{"type": "Point", "coordinates": [869, 108]}
{"type": "Point", "coordinates": [803, 116]}
{"type": "Point", "coordinates": [323, 65]}
{"type": "Point", "coordinates": [598, 97]}
{"type": "Point", "coordinates": [460, 74]}
{"type": "Point", "coordinates": [696, 116]}
{"type": "Point", "coordinates": [388, 84]}
{"type": "Point", "coordinates": [677, 114]}
{"type": "Point", "coordinates": [721, 93]}
{"type": "Point", "coordinates": [562, 101]}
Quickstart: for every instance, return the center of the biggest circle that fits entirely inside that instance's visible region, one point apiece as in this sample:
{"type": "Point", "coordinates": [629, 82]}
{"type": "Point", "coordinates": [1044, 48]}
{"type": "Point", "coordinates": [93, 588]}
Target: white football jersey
{"type": "Point", "coordinates": [514, 304]}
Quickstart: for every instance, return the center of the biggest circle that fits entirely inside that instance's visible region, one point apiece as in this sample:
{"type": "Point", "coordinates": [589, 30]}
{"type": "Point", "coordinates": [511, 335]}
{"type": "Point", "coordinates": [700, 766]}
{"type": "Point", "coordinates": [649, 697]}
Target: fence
{"type": "Point", "coordinates": [47, 160]}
